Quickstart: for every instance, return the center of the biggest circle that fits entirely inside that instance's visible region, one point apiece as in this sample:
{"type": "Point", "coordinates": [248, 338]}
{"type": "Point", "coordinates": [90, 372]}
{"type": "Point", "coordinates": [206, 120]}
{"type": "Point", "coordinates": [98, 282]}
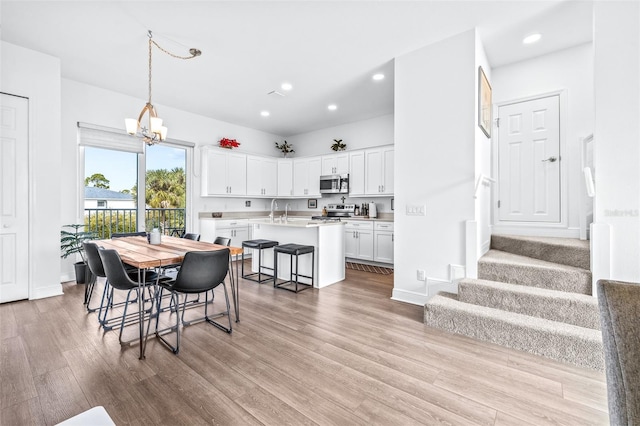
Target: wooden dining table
{"type": "Point", "coordinates": [139, 253]}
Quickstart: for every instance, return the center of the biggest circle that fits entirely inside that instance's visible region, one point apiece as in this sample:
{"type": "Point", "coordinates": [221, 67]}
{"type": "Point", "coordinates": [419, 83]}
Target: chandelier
{"type": "Point", "coordinates": [152, 131]}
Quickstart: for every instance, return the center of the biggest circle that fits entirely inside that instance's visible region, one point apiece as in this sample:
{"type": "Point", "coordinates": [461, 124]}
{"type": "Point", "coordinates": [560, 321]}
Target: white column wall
{"type": "Point", "coordinates": [617, 140]}
{"type": "Point", "coordinates": [37, 76]}
{"type": "Point", "coordinates": [435, 140]}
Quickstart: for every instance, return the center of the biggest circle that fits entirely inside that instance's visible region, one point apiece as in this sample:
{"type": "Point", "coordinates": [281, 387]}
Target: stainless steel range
{"type": "Point", "coordinates": [337, 211]}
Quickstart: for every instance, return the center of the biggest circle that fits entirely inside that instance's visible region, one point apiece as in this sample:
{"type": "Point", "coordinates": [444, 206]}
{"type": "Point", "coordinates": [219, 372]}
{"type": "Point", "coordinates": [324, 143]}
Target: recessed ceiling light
{"type": "Point", "coordinates": [531, 38]}
{"type": "Point", "coordinates": [286, 86]}
{"type": "Point", "coordinates": [264, 113]}
{"type": "Point", "coordinates": [332, 107]}
{"type": "Point", "coordinates": [378, 76]}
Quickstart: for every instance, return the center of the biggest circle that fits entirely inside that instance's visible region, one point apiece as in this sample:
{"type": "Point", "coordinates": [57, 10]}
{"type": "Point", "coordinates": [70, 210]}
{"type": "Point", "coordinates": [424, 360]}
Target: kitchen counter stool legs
{"type": "Point", "coordinates": [293, 250]}
{"type": "Point", "coordinates": [257, 245]}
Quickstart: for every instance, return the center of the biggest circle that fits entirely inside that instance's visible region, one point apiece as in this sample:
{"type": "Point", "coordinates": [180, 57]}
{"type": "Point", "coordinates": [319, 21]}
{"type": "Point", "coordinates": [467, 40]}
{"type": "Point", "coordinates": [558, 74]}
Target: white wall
{"type": "Point", "coordinates": [358, 135]}
{"type": "Point", "coordinates": [617, 140]}
{"type": "Point", "coordinates": [482, 167]}
{"type": "Point", "coordinates": [37, 77]}
{"type": "Point", "coordinates": [435, 136]}
{"type": "Point", "coordinates": [570, 70]}
{"type": "Point", "coordinates": [90, 104]}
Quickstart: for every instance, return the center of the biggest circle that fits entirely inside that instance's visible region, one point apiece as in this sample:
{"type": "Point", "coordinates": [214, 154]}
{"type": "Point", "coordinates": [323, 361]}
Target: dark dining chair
{"type": "Point", "coordinates": [619, 304]}
{"type": "Point", "coordinates": [223, 241]}
{"type": "Point", "coordinates": [128, 234]}
{"type": "Point", "coordinates": [97, 269]}
{"type": "Point", "coordinates": [119, 279]}
{"type": "Point", "coordinates": [190, 236]}
{"type": "Point", "coordinates": [200, 272]}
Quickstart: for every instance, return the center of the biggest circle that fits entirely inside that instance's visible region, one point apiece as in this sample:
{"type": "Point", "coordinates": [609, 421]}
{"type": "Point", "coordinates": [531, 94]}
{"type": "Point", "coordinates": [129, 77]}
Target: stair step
{"type": "Point", "coordinates": [570, 308]}
{"type": "Point", "coordinates": [555, 340]}
{"type": "Point", "coordinates": [506, 267]}
{"type": "Point", "coordinates": [566, 251]}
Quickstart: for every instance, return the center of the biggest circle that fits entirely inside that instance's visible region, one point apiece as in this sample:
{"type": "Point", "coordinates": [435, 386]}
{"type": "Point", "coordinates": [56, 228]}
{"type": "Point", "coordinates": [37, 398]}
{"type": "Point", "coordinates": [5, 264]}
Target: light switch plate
{"type": "Point", "coordinates": [416, 210]}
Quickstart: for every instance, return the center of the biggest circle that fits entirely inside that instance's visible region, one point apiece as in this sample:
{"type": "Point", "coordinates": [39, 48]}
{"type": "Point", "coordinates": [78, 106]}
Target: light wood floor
{"type": "Point", "coordinates": [343, 355]}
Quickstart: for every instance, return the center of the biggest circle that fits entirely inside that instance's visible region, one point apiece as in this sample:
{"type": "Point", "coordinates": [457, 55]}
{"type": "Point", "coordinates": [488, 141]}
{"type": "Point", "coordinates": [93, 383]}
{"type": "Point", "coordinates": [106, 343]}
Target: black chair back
{"type": "Point", "coordinates": [128, 234]}
{"type": "Point", "coordinates": [202, 271]}
{"type": "Point", "coordinates": [93, 259]}
{"type": "Point", "coordinates": [114, 269]}
{"type": "Point", "coordinates": [223, 241]}
{"type": "Point", "coordinates": [195, 237]}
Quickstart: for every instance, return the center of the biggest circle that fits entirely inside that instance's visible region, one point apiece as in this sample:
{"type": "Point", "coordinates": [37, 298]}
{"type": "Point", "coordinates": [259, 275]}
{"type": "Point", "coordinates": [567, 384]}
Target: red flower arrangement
{"type": "Point", "coordinates": [229, 143]}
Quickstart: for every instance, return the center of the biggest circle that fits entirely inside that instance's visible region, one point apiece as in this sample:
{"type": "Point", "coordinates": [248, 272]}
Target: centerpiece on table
{"type": "Point", "coordinates": [228, 143]}
{"type": "Point", "coordinates": [285, 148]}
{"type": "Point", "coordinates": [338, 145]}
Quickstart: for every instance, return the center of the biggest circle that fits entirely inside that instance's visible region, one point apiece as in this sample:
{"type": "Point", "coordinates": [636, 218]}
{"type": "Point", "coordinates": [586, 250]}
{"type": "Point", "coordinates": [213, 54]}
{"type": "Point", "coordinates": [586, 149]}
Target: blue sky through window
{"type": "Point", "coordinates": [121, 167]}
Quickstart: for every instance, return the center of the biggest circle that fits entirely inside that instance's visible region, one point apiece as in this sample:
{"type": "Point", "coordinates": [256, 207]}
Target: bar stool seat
{"type": "Point", "coordinates": [257, 245]}
{"type": "Point", "coordinates": [293, 250]}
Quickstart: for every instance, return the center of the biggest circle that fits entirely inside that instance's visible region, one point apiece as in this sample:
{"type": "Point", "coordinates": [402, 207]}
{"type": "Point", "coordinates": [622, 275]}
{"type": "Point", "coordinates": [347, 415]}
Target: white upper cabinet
{"type": "Point", "coordinates": [285, 177]}
{"type": "Point", "coordinates": [356, 173]}
{"type": "Point", "coordinates": [379, 171]}
{"type": "Point", "coordinates": [306, 176]}
{"type": "Point", "coordinates": [335, 164]}
{"type": "Point", "coordinates": [262, 176]}
{"type": "Point", "coordinates": [223, 172]}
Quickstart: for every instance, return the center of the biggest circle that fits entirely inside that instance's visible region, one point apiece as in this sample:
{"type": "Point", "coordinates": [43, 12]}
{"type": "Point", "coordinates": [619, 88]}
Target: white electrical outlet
{"type": "Point", "coordinates": [421, 275]}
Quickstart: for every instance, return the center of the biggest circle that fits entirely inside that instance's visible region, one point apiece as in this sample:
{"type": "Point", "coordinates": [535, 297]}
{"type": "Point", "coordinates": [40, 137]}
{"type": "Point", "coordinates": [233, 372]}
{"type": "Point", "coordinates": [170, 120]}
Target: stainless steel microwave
{"type": "Point", "coordinates": [334, 184]}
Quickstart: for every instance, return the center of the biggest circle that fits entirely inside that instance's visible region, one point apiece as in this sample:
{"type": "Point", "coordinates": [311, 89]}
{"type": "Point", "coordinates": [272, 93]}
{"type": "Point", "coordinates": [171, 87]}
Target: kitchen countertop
{"type": "Point", "coordinates": [305, 215]}
{"type": "Point", "coordinates": [294, 222]}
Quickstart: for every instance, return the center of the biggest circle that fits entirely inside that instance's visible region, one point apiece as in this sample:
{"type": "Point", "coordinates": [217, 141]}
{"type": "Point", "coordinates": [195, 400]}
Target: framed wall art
{"type": "Point", "coordinates": [312, 203]}
{"type": "Point", "coordinates": [484, 103]}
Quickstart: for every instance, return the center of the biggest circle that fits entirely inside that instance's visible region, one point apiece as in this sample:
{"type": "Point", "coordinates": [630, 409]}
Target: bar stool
{"type": "Point", "coordinates": [257, 245]}
{"type": "Point", "coordinates": [293, 250]}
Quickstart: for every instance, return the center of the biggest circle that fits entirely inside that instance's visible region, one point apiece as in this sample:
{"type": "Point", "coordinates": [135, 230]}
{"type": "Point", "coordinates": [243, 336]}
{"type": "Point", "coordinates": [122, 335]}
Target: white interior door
{"type": "Point", "coordinates": [14, 199]}
{"type": "Point", "coordinates": [529, 161]}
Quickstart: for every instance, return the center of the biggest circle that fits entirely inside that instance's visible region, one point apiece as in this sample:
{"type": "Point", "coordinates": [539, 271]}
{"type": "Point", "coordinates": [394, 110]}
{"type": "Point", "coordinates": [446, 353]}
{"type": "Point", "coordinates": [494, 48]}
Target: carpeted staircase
{"type": "Point", "coordinates": [533, 294]}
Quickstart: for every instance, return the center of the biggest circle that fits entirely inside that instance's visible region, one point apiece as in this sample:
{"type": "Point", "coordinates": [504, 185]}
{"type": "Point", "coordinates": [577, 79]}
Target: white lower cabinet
{"type": "Point", "coordinates": [359, 240]}
{"type": "Point", "coordinates": [383, 242]}
{"type": "Point", "coordinates": [236, 229]}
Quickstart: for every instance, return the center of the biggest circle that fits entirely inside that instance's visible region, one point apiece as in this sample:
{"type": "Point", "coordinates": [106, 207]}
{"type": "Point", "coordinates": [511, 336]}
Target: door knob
{"type": "Point", "coordinates": [550, 159]}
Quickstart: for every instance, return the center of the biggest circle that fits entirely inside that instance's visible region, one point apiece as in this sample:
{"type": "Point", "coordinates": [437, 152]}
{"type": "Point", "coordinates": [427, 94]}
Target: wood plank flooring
{"type": "Point", "coordinates": [342, 355]}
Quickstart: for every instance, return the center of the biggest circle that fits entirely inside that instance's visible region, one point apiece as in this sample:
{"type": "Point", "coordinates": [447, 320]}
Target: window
{"type": "Point", "coordinates": [144, 185]}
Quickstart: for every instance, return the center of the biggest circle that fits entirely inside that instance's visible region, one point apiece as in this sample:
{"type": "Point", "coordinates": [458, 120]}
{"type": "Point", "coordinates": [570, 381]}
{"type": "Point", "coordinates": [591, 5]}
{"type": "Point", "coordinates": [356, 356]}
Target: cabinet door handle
{"type": "Point", "coordinates": [382, 188]}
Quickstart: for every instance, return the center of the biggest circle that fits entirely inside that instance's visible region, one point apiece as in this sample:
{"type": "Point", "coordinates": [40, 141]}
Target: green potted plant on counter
{"type": "Point", "coordinates": [71, 244]}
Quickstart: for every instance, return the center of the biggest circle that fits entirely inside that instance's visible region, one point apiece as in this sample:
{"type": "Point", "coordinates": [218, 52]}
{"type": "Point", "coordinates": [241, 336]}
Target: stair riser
{"type": "Point", "coordinates": [584, 352]}
{"type": "Point", "coordinates": [575, 281]}
{"type": "Point", "coordinates": [571, 256]}
{"type": "Point", "coordinates": [569, 308]}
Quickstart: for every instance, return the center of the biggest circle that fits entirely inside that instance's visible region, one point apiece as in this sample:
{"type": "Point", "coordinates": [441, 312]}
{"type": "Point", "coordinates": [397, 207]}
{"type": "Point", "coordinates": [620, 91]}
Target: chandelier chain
{"type": "Point", "coordinates": [194, 52]}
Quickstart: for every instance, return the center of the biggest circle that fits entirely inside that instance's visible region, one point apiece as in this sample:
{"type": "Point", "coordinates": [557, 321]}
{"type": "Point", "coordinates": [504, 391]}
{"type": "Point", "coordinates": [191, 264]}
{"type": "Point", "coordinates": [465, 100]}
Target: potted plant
{"type": "Point", "coordinates": [70, 244]}
{"type": "Point", "coordinates": [228, 143]}
{"type": "Point", "coordinates": [285, 148]}
{"type": "Point", "coordinates": [338, 145]}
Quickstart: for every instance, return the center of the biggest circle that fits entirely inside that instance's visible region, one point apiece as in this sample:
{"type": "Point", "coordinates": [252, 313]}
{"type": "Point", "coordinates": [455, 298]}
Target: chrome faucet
{"type": "Point", "coordinates": [286, 212]}
{"type": "Point", "coordinates": [273, 202]}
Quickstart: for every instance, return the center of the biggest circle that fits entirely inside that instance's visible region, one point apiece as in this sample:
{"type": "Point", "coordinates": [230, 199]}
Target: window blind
{"type": "Point", "coordinates": [108, 138]}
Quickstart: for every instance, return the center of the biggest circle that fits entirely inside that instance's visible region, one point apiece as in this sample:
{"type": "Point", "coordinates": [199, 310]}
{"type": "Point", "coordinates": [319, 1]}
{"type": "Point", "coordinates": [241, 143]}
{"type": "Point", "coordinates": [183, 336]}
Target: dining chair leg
{"type": "Point", "coordinates": [174, 349]}
{"type": "Point", "coordinates": [124, 315]}
{"type": "Point", "coordinates": [228, 312]}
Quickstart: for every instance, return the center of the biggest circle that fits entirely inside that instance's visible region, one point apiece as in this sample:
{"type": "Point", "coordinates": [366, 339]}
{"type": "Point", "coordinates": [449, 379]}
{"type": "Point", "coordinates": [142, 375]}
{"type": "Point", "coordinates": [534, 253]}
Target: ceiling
{"type": "Point", "coordinates": [328, 50]}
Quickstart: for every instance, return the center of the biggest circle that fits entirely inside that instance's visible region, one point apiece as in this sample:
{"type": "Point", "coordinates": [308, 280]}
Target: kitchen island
{"type": "Point", "coordinates": [326, 237]}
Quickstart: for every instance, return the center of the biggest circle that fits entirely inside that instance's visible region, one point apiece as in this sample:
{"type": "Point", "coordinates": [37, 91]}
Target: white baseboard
{"type": "Point", "coordinates": [536, 231]}
{"type": "Point", "coordinates": [49, 291]}
{"type": "Point", "coordinates": [409, 297]}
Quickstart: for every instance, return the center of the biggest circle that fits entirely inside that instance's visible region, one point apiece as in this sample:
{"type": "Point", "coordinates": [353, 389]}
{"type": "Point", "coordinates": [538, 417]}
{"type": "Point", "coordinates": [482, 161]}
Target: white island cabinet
{"type": "Point", "coordinates": [326, 237]}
